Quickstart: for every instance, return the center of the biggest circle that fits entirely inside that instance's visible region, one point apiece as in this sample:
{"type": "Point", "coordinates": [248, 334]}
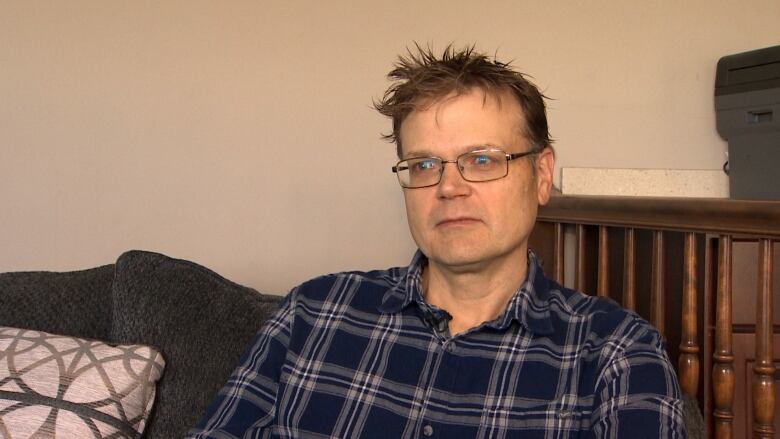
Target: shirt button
{"type": "Point", "coordinates": [428, 430]}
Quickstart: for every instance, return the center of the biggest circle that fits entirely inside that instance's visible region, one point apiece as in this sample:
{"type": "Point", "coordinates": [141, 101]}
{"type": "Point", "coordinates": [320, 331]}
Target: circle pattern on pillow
{"type": "Point", "coordinates": [60, 386]}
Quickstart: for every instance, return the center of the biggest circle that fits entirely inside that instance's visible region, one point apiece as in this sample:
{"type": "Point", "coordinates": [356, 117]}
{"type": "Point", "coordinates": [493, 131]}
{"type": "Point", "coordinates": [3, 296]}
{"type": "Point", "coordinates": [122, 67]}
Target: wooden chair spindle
{"type": "Point", "coordinates": [723, 358]}
{"type": "Point", "coordinates": [689, 349]}
{"type": "Point", "coordinates": [764, 366]}
{"type": "Point", "coordinates": [629, 270]}
{"type": "Point", "coordinates": [559, 252]}
{"type": "Point", "coordinates": [579, 259]}
{"type": "Point", "coordinates": [603, 271]}
{"type": "Point", "coordinates": [657, 292]}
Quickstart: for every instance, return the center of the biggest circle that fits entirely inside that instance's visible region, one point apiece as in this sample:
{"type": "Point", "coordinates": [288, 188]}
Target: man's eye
{"type": "Point", "coordinates": [481, 160]}
{"type": "Point", "coordinates": [425, 165]}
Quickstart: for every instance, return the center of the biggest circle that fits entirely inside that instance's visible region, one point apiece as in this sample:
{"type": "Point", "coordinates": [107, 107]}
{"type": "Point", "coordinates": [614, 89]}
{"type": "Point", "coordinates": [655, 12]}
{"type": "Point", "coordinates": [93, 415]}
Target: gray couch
{"type": "Point", "coordinates": [200, 322]}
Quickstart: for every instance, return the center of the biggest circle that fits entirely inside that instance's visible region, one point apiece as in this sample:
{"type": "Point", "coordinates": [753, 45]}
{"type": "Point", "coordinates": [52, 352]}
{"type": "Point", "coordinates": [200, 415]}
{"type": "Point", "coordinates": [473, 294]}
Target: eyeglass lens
{"type": "Point", "coordinates": [474, 166]}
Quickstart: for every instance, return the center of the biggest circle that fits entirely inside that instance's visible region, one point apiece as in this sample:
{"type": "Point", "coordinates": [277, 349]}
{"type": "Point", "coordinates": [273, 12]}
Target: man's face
{"type": "Point", "coordinates": [463, 226]}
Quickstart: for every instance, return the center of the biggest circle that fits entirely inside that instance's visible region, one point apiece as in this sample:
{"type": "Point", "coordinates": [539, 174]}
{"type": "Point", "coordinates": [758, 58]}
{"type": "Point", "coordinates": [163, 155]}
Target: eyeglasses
{"type": "Point", "coordinates": [475, 166]}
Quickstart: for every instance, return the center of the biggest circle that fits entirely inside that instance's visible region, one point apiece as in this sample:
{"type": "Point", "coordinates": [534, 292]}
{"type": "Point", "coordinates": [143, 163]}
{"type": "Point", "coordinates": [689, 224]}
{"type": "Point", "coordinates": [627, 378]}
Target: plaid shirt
{"type": "Point", "coordinates": [361, 355]}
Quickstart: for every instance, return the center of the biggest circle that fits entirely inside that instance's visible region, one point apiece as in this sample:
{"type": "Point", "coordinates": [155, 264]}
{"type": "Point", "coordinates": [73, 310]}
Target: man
{"type": "Point", "coordinates": [471, 340]}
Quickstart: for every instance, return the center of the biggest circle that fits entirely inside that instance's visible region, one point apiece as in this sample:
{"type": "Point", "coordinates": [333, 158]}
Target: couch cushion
{"type": "Point", "coordinates": [200, 321]}
{"type": "Point", "coordinates": [76, 303]}
{"type": "Point", "coordinates": [60, 386]}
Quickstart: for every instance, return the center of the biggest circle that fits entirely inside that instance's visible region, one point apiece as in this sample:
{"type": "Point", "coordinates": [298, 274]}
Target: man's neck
{"type": "Point", "coordinates": [473, 297]}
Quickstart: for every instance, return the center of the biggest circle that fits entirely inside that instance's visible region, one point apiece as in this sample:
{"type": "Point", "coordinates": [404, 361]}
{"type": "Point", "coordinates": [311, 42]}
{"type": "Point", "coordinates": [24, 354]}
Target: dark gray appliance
{"type": "Point", "coordinates": [747, 107]}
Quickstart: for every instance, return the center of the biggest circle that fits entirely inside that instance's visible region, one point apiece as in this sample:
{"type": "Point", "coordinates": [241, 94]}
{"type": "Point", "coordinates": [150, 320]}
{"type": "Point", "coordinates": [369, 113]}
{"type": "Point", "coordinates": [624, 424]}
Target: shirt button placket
{"type": "Point", "coordinates": [427, 430]}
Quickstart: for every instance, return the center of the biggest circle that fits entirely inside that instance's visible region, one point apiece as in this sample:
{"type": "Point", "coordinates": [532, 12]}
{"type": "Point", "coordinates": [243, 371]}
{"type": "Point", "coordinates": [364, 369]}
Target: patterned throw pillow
{"type": "Point", "coordinates": [65, 387]}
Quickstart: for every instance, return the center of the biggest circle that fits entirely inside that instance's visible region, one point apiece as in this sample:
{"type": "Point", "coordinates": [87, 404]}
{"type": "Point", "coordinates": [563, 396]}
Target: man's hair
{"type": "Point", "coordinates": [421, 78]}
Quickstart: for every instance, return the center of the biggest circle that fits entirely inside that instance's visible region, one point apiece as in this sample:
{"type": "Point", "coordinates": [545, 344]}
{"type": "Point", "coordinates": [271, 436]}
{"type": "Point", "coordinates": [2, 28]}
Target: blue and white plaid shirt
{"type": "Point", "coordinates": [358, 355]}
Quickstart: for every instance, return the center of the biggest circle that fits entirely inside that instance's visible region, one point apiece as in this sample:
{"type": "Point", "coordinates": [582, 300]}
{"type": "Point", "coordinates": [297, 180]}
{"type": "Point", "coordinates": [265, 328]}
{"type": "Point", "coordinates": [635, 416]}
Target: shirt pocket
{"type": "Point", "coordinates": [567, 414]}
{"type": "Point", "coordinates": [562, 418]}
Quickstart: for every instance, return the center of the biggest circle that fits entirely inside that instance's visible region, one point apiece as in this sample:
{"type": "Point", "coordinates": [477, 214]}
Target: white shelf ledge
{"type": "Point", "coordinates": [645, 182]}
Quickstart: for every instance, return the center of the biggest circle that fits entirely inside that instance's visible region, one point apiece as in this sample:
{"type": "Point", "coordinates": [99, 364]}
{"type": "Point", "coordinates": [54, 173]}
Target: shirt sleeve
{"type": "Point", "coordinates": [247, 402]}
{"type": "Point", "coordinates": [637, 394]}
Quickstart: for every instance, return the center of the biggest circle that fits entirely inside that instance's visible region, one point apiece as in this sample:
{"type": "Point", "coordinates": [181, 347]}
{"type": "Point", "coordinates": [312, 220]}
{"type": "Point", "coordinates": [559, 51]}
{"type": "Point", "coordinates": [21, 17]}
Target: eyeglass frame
{"type": "Point", "coordinates": [509, 157]}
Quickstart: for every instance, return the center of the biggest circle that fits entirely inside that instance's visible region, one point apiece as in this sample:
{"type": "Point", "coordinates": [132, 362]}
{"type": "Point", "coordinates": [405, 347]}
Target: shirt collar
{"type": "Point", "coordinates": [408, 287]}
{"type": "Point", "coordinates": [530, 305]}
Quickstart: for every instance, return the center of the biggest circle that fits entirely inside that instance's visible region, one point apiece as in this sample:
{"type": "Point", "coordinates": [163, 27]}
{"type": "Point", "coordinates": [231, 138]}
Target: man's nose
{"type": "Point", "coordinates": [452, 183]}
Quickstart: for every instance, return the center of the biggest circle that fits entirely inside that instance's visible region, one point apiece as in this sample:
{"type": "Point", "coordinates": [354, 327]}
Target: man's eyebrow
{"type": "Point", "coordinates": [468, 148]}
{"type": "Point", "coordinates": [486, 145]}
{"type": "Point", "coordinates": [420, 153]}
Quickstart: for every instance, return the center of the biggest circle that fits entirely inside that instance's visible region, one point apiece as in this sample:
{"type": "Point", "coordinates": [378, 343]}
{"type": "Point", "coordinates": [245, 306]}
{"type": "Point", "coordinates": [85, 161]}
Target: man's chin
{"type": "Point", "coordinates": [472, 259]}
{"type": "Point", "coordinates": [461, 263]}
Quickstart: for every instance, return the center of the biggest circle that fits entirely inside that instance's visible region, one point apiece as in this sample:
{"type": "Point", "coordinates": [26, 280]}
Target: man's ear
{"type": "Point", "coordinates": [545, 164]}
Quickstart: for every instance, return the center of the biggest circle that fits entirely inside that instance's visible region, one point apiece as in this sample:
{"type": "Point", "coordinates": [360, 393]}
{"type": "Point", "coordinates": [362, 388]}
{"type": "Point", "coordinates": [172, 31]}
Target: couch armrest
{"type": "Point", "coordinates": [76, 303]}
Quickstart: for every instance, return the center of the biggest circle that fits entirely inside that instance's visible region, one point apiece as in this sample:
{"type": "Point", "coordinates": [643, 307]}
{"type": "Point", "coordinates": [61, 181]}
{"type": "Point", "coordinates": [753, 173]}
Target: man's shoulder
{"type": "Point", "coordinates": [347, 286]}
{"type": "Point", "coordinates": [605, 319]}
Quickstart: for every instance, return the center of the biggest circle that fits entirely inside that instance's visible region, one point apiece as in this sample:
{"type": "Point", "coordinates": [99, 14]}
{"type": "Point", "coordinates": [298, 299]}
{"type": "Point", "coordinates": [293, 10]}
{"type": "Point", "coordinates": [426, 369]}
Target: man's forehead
{"type": "Point", "coordinates": [498, 97]}
{"type": "Point", "coordinates": [501, 100]}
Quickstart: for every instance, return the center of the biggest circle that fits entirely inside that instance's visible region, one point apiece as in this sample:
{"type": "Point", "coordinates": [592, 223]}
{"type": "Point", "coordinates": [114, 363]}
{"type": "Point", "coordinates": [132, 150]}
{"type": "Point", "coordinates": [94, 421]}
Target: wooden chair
{"type": "Point", "coordinates": [701, 271]}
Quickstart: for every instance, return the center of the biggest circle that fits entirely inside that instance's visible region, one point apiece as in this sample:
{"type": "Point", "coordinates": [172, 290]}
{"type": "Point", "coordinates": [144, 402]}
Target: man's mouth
{"type": "Point", "coordinates": [457, 221]}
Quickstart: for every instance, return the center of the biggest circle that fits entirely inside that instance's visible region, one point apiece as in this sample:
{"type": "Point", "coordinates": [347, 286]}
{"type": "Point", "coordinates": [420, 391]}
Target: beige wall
{"type": "Point", "coordinates": [240, 134]}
